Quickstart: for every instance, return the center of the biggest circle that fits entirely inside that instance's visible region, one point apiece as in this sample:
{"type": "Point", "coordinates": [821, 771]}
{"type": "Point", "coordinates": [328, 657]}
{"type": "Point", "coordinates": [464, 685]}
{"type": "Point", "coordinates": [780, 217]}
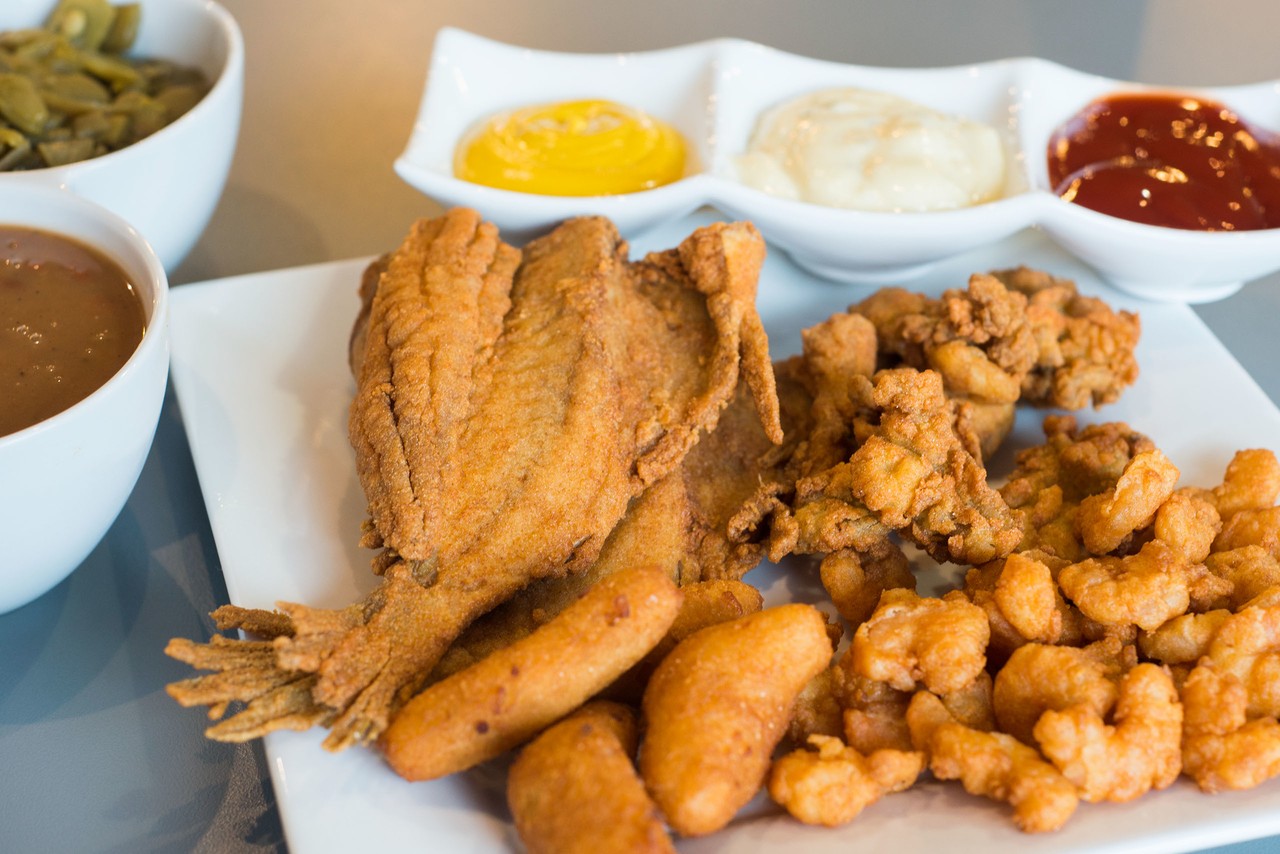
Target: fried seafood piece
{"type": "Point", "coordinates": [574, 789]}
{"type": "Point", "coordinates": [856, 580]}
{"type": "Point", "coordinates": [1085, 349]}
{"type": "Point", "coordinates": [1246, 646]}
{"type": "Point", "coordinates": [501, 702]}
{"type": "Point", "coordinates": [1108, 519]}
{"type": "Point", "coordinates": [834, 352]}
{"type": "Point", "coordinates": [1259, 527]}
{"type": "Point", "coordinates": [910, 641]}
{"type": "Point", "coordinates": [819, 708]}
{"type": "Point", "coordinates": [911, 473]}
{"type": "Point", "coordinates": [1140, 751]}
{"type": "Point", "coordinates": [875, 713]}
{"type": "Point", "coordinates": [718, 705]}
{"type": "Point", "coordinates": [994, 765]}
{"type": "Point", "coordinates": [683, 523]}
{"type": "Point", "coordinates": [509, 407]}
{"type": "Point", "coordinates": [978, 338]}
{"type": "Point", "coordinates": [1020, 597]}
{"type": "Point", "coordinates": [1250, 570]}
{"type": "Point", "coordinates": [1050, 480]}
{"type": "Point", "coordinates": [1184, 639]}
{"type": "Point", "coordinates": [1144, 590]}
{"type": "Point", "coordinates": [1251, 482]}
{"type": "Point", "coordinates": [974, 704]}
{"type": "Point", "coordinates": [653, 532]}
{"type": "Point", "coordinates": [1222, 747]}
{"type": "Point", "coordinates": [1040, 677]}
{"type": "Point", "coordinates": [1188, 522]}
{"type": "Point", "coordinates": [916, 475]}
{"type": "Point", "coordinates": [831, 784]}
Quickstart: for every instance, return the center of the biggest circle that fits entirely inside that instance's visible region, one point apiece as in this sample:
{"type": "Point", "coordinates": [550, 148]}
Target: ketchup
{"type": "Point", "coordinates": [1169, 160]}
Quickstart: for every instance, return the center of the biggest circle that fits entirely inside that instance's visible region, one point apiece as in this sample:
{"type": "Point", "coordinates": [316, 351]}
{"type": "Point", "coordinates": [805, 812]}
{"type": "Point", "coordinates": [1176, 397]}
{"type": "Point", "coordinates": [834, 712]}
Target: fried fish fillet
{"type": "Point", "coordinates": [683, 523]}
{"type": "Point", "coordinates": [510, 405]}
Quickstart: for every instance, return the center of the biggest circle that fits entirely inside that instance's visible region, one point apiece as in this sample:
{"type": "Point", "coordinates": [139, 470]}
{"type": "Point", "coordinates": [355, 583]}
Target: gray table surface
{"type": "Point", "coordinates": [93, 754]}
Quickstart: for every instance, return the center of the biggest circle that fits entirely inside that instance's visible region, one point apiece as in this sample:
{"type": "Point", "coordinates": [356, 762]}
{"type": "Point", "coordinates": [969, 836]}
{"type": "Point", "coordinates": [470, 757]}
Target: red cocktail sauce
{"type": "Point", "coordinates": [1170, 160]}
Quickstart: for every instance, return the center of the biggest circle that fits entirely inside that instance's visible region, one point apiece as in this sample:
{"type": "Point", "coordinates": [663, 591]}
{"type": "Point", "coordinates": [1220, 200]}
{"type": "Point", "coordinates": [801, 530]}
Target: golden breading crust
{"type": "Point", "coordinates": [718, 705]}
{"type": "Point", "coordinates": [485, 710]}
{"type": "Point", "coordinates": [574, 789]}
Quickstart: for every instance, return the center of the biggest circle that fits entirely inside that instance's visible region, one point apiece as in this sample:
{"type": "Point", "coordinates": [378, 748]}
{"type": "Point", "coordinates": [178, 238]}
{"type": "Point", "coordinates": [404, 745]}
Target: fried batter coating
{"type": "Point", "coordinates": [574, 789]}
{"type": "Point", "coordinates": [974, 704]}
{"type": "Point", "coordinates": [718, 705]}
{"type": "Point", "coordinates": [994, 765]}
{"type": "Point", "coordinates": [664, 526]}
{"type": "Point", "coordinates": [819, 708]}
{"type": "Point", "coordinates": [1222, 748]}
{"type": "Point", "coordinates": [1188, 522]}
{"type": "Point", "coordinates": [978, 339]}
{"type": "Point", "coordinates": [1085, 349]}
{"type": "Point", "coordinates": [1251, 528]}
{"type": "Point", "coordinates": [1106, 520]}
{"type": "Point", "coordinates": [1251, 482]}
{"type": "Point", "coordinates": [1143, 590]}
{"type": "Point", "coordinates": [1247, 647]}
{"type": "Point", "coordinates": [832, 784]}
{"type": "Point", "coordinates": [917, 477]}
{"type": "Point", "coordinates": [702, 604]}
{"type": "Point", "coordinates": [1184, 639]}
{"type": "Point", "coordinates": [874, 713]}
{"type": "Point", "coordinates": [1120, 762]}
{"type": "Point", "coordinates": [1023, 603]}
{"type": "Point", "coordinates": [855, 581]}
{"type": "Point", "coordinates": [487, 709]}
{"type": "Point", "coordinates": [1039, 677]}
{"type": "Point", "coordinates": [911, 641]}
{"type": "Point", "coordinates": [1251, 571]}
{"type": "Point", "coordinates": [835, 351]}
{"type": "Point", "coordinates": [911, 472]}
{"type": "Point", "coordinates": [1051, 480]}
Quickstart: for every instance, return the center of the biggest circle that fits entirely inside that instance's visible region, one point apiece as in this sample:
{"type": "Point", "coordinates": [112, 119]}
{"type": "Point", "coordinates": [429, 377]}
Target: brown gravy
{"type": "Point", "coordinates": [69, 319]}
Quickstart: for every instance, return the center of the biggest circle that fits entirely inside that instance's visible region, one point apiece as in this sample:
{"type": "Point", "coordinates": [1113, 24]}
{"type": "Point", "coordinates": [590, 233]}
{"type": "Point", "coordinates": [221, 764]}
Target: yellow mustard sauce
{"type": "Point", "coordinates": [572, 148]}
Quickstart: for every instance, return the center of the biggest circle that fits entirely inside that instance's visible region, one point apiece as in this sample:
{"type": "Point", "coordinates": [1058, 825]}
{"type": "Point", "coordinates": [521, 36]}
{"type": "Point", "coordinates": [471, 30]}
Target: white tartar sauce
{"type": "Point", "coordinates": [872, 151]}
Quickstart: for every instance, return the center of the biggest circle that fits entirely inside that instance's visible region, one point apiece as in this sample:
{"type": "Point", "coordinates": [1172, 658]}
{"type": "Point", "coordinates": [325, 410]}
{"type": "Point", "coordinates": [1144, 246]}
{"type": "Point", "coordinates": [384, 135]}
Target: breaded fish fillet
{"type": "Point", "coordinates": [509, 406]}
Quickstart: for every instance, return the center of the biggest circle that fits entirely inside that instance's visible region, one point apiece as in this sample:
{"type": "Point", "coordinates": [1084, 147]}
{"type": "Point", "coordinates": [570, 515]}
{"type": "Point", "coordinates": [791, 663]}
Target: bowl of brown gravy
{"type": "Point", "coordinates": [84, 359]}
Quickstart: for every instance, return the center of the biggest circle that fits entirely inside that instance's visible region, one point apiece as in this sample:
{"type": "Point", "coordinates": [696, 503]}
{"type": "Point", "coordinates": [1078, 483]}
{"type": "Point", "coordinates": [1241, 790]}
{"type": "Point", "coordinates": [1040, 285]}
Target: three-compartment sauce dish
{"type": "Point", "coordinates": [862, 174]}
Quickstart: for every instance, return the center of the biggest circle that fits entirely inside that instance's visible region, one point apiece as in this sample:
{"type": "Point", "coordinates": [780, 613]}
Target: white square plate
{"type": "Point", "coordinates": [259, 364]}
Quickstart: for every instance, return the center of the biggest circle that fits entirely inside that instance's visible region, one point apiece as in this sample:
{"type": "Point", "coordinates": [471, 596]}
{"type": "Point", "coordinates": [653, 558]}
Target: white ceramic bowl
{"type": "Point", "coordinates": [63, 481]}
{"type": "Point", "coordinates": [169, 183]}
{"type": "Point", "coordinates": [714, 91]}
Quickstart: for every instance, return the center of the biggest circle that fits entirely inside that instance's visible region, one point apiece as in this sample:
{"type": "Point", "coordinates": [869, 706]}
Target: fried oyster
{"type": "Point", "coordinates": [510, 405]}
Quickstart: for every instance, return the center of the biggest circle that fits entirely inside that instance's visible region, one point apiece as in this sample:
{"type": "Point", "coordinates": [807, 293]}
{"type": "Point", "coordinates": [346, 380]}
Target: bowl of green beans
{"type": "Point", "coordinates": [133, 105]}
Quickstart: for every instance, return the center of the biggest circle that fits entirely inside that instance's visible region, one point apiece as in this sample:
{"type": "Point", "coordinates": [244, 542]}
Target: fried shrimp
{"type": "Point", "coordinates": [994, 765]}
{"type": "Point", "coordinates": [912, 641]}
{"type": "Point", "coordinates": [1120, 762]}
{"type": "Point", "coordinates": [833, 783]}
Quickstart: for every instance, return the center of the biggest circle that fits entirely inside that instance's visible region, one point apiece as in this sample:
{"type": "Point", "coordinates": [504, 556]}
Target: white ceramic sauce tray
{"type": "Point", "coordinates": [714, 91]}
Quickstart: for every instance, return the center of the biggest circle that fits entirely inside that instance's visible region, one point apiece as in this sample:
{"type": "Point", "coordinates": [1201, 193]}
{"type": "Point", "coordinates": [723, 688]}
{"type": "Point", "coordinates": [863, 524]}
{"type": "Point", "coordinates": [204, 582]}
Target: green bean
{"type": "Point", "coordinates": [69, 90]}
{"type": "Point", "coordinates": [60, 152]}
{"type": "Point", "coordinates": [84, 23]}
{"type": "Point", "coordinates": [21, 104]}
